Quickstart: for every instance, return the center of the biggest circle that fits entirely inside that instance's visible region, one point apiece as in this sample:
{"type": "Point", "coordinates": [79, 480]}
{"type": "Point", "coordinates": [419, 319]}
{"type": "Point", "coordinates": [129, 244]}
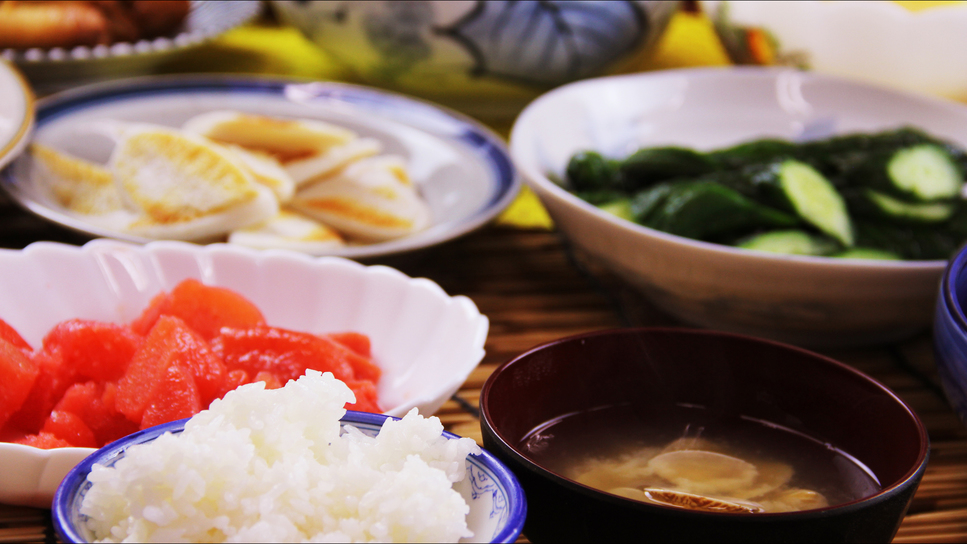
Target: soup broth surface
{"type": "Point", "coordinates": [691, 459]}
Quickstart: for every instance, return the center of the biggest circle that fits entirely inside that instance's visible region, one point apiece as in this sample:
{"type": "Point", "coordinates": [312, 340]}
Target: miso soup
{"type": "Point", "coordinates": [693, 459]}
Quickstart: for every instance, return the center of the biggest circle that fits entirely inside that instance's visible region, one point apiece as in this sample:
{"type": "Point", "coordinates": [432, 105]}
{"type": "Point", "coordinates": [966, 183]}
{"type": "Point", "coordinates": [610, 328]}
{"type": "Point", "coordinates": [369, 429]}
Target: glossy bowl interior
{"type": "Point", "coordinates": [497, 504]}
{"type": "Point", "coordinates": [809, 301]}
{"type": "Point", "coordinates": [425, 341]}
{"type": "Point", "coordinates": [950, 334]}
{"type": "Point", "coordinates": [654, 370]}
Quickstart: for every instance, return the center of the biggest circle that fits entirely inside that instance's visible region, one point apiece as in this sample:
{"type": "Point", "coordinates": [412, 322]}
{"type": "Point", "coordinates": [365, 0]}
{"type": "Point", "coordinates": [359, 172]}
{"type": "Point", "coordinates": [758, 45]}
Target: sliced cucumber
{"type": "Point", "coordinates": [927, 172]}
{"type": "Point", "coordinates": [867, 253]}
{"type": "Point", "coordinates": [790, 242]}
{"type": "Point", "coordinates": [812, 197]}
{"type": "Point", "coordinates": [754, 152]}
{"type": "Point", "coordinates": [647, 201]}
{"type": "Point", "coordinates": [600, 197]}
{"type": "Point", "coordinates": [648, 166]}
{"type": "Point", "coordinates": [888, 207]}
{"type": "Point", "coordinates": [892, 193]}
{"type": "Point", "coordinates": [589, 171]}
{"type": "Point", "coordinates": [707, 211]}
{"type": "Point", "coordinates": [837, 157]}
{"type": "Point", "coordinates": [908, 241]}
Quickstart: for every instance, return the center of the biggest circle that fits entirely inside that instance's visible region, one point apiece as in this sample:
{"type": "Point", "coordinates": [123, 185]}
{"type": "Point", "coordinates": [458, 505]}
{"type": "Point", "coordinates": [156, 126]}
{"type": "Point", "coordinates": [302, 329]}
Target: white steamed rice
{"type": "Point", "coordinates": [271, 466]}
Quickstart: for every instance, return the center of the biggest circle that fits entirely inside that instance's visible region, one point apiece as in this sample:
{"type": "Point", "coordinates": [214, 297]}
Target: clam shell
{"type": "Point", "coordinates": [794, 500]}
{"type": "Point", "coordinates": [692, 501]}
{"type": "Point", "coordinates": [772, 476]}
{"type": "Point", "coordinates": [704, 472]}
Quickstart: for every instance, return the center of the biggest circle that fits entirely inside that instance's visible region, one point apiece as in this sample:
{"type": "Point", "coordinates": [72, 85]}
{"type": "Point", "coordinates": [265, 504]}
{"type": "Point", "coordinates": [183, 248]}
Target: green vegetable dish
{"type": "Point", "coordinates": [889, 195]}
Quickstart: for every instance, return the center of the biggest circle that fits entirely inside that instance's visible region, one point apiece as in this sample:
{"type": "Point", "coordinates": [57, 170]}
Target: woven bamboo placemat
{"type": "Point", "coordinates": [533, 290]}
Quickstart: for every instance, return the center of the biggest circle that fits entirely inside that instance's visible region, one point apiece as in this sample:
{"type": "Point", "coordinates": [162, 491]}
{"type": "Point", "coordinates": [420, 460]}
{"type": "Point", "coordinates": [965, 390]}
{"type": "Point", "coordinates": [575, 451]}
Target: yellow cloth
{"type": "Point", "coordinates": [273, 50]}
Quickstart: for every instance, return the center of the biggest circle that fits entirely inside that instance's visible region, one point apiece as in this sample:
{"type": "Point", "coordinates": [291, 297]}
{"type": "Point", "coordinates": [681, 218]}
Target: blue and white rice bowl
{"type": "Point", "coordinates": [497, 504]}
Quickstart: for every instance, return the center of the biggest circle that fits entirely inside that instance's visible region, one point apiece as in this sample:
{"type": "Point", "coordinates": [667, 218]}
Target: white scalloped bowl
{"type": "Point", "coordinates": [426, 341]}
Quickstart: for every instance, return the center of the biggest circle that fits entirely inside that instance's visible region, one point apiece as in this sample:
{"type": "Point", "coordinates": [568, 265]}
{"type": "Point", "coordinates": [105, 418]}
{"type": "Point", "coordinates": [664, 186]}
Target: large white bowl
{"type": "Point", "coordinates": [812, 301]}
{"type": "Point", "coordinates": [426, 341]}
{"type": "Point", "coordinates": [877, 41]}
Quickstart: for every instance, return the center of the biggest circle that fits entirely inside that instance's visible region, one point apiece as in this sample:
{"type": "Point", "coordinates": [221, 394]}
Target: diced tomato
{"type": "Point", "coordinates": [11, 433]}
{"type": "Point", "coordinates": [363, 367]}
{"type": "Point", "coordinates": [358, 342]}
{"type": "Point", "coordinates": [359, 355]}
{"type": "Point", "coordinates": [285, 353]}
{"type": "Point", "coordinates": [204, 308]}
{"type": "Point", "coordinates": [70, 428]}
{"type": "Point", "coordinates": [94, 403]}
{"type": "Point", "coordinates": [9, 334]}
{"type": "Point", "coordinates": [17, 376]}
{"type": "Point", "coordinates": [235, 378]}
{"type": "Point", "coordinates": [271, 380]}
{"type": "Point", "coordinates": [170, 343]}
{"type": "Point", "coordinates": [143, 324]}
{"type": "Point", "coordinates": [52, 380]}
{"type": "Point", "coordinates": [44, 441]}
{"type": "Point", "coordinates": [367, 399]}
{"type": "Point", "coordinates": [94, 382]}
{"type": "Point", "coordinates": [178, 398]}
{"type": "Point", "coordinates": [94, 349]}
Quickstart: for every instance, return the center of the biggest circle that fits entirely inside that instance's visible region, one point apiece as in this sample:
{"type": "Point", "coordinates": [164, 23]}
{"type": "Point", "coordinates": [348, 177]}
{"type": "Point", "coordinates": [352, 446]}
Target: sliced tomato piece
{"type": "Point", "coordinates": [17, 376]}
{"type": "Point", "coordinates": [10, 334]}
{"type": "Point", "coordinates": [283, 352]}
{"type": "Point", "coordinates": [179, 400]}
{"type": "Point", "coordinates": [94, 349]}
{"type": "Point", "coordinates": [44, 441]}
{"type": "Point", "coordinates": [204, 308]}
{"type": "Point", "coordinates": [170, 343]}
{"type": "Point", "coordinates": [69, 428]}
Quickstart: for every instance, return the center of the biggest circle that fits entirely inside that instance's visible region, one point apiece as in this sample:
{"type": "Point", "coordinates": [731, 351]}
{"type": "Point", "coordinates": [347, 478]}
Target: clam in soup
{"type": "Point", "coordinates": [694, 461]}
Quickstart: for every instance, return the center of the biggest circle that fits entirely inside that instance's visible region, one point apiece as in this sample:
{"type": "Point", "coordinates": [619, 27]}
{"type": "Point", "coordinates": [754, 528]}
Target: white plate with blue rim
{"type": "Point", "coordinates": [16, 113]}
{"type": "Point", "coordinates": [462, 168]}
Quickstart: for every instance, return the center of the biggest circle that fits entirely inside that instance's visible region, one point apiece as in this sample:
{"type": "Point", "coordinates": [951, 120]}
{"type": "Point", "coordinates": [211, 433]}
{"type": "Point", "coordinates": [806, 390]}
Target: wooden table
{"type": "Point", "coordinates": [534, 289]}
